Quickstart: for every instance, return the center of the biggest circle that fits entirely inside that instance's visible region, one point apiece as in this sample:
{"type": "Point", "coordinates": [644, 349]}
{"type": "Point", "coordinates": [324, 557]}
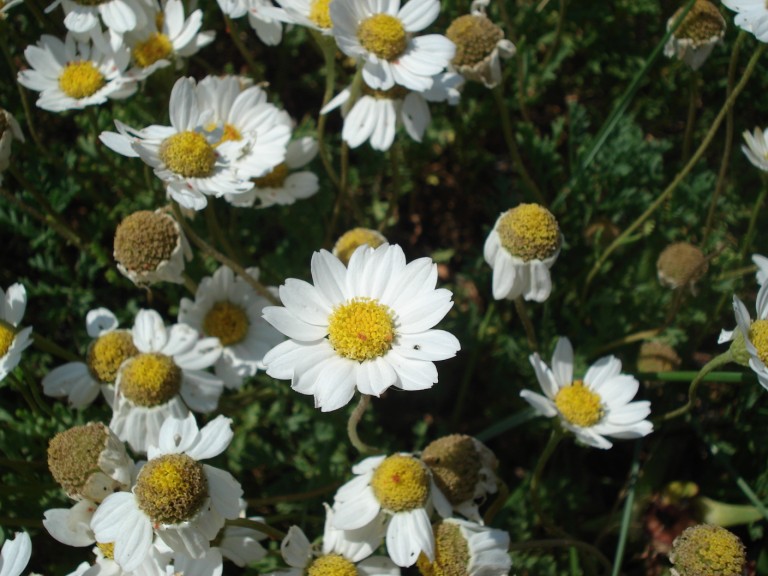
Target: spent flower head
{"type": "Point", "coordinates": [467, 549]}
{"type": "Point", "coordinates": [701, 29]}
{"type": "Point", "coordinates": [681, 264]}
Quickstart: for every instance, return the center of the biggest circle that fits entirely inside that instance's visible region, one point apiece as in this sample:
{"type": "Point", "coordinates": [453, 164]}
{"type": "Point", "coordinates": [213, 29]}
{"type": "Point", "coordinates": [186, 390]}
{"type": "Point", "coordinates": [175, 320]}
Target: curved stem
{"type": "Point", "coordinates": [716, 362]}
{"type": "Point", "coordinates": [54, 349]}
{"type": "Point", "coordinates": [498, 502]}
{"type": "Point", "coordinates": [667, 193]}
{"type": "Point", "coordinates": [234, 33]}
{"type": "Point", "coordinates": [626, 515]}
{"type": "Point", "coordinates": [530, 332]}
{"type": "Point", "coordinates": [690, 123]}
{"type": "Point", "coordinates": [298, 497]}
{"type": "Point", "coordinates": [273, 533]}
{"type": "Point", "coordinates": [558, 35]}
{"type": "Point", "coordinates": [354, 420]}
{"type": "Point", "coordinates": [215, 230]}
{"type": "Point", "coordinates": [554, 440]}
{"type": "Point", "coordinates": [329, 55]}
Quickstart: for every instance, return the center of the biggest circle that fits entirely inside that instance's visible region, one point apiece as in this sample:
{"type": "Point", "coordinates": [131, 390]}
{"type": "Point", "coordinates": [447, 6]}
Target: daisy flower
{"type": "Point", "coordinates": [755, 333]}
{"type": "Point", "coordinates": [73, 74]}
{"type": "Point", "coordinates": [381, 34]}
{"type": "Point", "coordinates": [166, 378]}
{"type": "Point", "coordinates": [313, 14]}
{"type": "Point", "coordinates": [594, 407]}
{"type": "Point", "coordinates": [523, 245]}
{"type": "Point", "coordinates": [80, 382]}
{"type": "Point", "coordinates": [263, 16]}
{"type": "Point", "coordinates": [702, 28]}
{"type": "Point", "coordinates": [13, 339]}
{"type": "Point", "coordinates": [15, 554]}
{"type": "Point", "coordinates": [351, 240]}
{"type": "Point", "coordinates": [376, 114]}
{"type": "Point", "coordinates": [82, 16]}
{"type": "Point", "coordinates": [756, 148]}
{"type": "Point", "coordinates": [285, 183]}
{"type": "Point", "coordinates": [365, 327]}
{"type": "Point", "coordinates": [401, 488]}
{"type": "Point", "coordinates": [71, 526]}
{"type": "Point", "coordinates": [176, 498]}
{"type": "Point", "coordinates": [228, 308]}
{"type": "Point", "coordinates": [169, 36]}
{"type": "Point", "coordinates": [9, 131]}
{"type": "Point", "coordinates": [752, 16]}
{"type": "Point", "coordinates": [762, 268]}
{"type": "Point", "coordinates": [192, 162]}
{"type": "Point", "coordinates": [708, 549]}
{"type": "Point", "coordinates": [467, 549]}
{"type": "Point", "coordinates": [155, 563]}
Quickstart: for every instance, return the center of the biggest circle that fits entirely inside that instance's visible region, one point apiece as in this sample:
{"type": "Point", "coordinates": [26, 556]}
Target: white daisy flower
{"type": "Point", "coordinates": [71, 526]}
{"type": "Point", "coordinates": [228, 308]}
{"type": "Point", "coordinates": [82, 16]}
{"type": "Point", "coordinates": [264, 17]}
{"type": "Point", "coordinates": [762, 268]}
{"type": "Point", "coordinates": [192, 162]}
{"type": "Point", "coordinates": [702, 28]}
{"type": "Point", "coordinates": [752, 16]}
{"type": "Point", "coordinates": [285, 183]}
{"type": "Point", "coordinates": [365, 327]}
{"type": "Point", "coordinates": [166, 378]}
{"type": "Point", "coordinates": [376, 114]}
{"type": "Point", "coordinates": [756, 148]}
{"type": "Point", "coordinates": [523, 245]}
{"type": "Point", "coordinates": [755, 333]}
{"type": "Point", "coordinates": [76, 73]}
{"type": "Point", "coordinates": [401, 489]}
{"type": "Point", "coordinates": [313, 14]}
{"type": "Point", "coordinates": [6, 5]}
{"type": "Point", "coordinates": [80, 382]}
{"type": "Point", "coordinates": [351, 240]}
{"type": "Point", "coordinates": [169, 36]}
{"type": "Point", "coordinates": [13, 338]}
{"type": "Point", "coordinates": [9, 131]}
{"type": "Point", "coordinates": [381, 33]}
{"type": "Point", "coordinates": [15, 554]}
{"type": "Point", "coordinates": [183, 502]}
{"type": "Point", "coordinates": [155, 563]}
{"type": "Point", "coordinates": [594, 407]}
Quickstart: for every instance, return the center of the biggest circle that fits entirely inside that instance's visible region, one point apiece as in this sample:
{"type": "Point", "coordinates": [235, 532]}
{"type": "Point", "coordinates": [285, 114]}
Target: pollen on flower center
{"type": "Point", "coordinates": [702, 23]}
{"type": "Point", "coordinates": [226, 321]}
{"type": "Point", "coordinates": [157, 47]}
{"type": "Point", "coordinates": [455, 464]}
{"type": "Point", "coordinates": [81, 79]}
{"type": "Point", "coordinates": [108, 549]}
{"type": "Point", "coordinates": [758, 335]}
{"type": "Point", "coordinates": [401, 483]}
{"type": "Point", "coordinates": [352, 239]}
{"type": "Point", "coordinates": [73, 455]}
{"type": "Point", "coordinates": [7, 334]}
{"type": "Point", "coordinates": [707, 550]}
{"type": "Point", "coordinates": [320, 13]}
{"type": "Point", "coordinates": [107, 353]}
{"type": "Point", "coordinates": [274, 179]}
{"type": "Point", "coordinates": [383, 35]}
{"type": "Point", "coordinates": [362, 329]}
{"type": "Point", "coordinates": [332, 565]}
{"type": "Point", "coordinates": [475, 37]}
{"type": "Point", "coordinates": [144, 240]}
{"type": "Point", "coordinates": [150, 379]}
{"type": "Point", "coordinates": [451, 552]}
{"type": "Point", "coordinates": [188, 154]}
{"type": "Point", "coordinates": [172, 488]}
{"type": "Point", "coordinates": [529, 231]}
{"type": "Point", "coordinates": [579, 405]}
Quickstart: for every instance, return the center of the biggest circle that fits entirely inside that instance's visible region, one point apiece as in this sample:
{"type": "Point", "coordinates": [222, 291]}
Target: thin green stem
{"type": "Point", "coordinates": [273, 533]}
{"type": "Point", "coordinates": [667, 193]}
{"type": "Point", "coordinates": [750, 235]}
{"type": "Point", "coordinates": [690, 122]}
{"type": "Point", "coordinates": [189, 283]}
{"type": "Point", "coordinates": [558, 35]}
{"type": "Point", "coordinates": [626, 515]}
{"type": "Point", "coordinates": [469, 369]}
{"type": "Point", "coordinates": [234, 33]}
{"type": "Point", "coordinates": [328, 48]}
{"type": "Point", "coordinates": [687, 376]}
{"type": "Point", "coordinates": [54, 349]}
{"type": "Point", "coordinates": [554, 441]}
{"type": "Point", "coordinates": [22, 389]}
{"type": "Point", "coordinates": [563, 543]}
{"type": "Point", "coordinates": [214, 229]}
{"type": "Point", "coordinates": [35, 391]}
{"type": "Point", "coordinates": [354, 420]}
{"type": "Point", "coordinates": [530, 332]}
{"type": "Point", "coordinates": [498, 502]}
{"type": "Point", "coordinates": [297, 497]}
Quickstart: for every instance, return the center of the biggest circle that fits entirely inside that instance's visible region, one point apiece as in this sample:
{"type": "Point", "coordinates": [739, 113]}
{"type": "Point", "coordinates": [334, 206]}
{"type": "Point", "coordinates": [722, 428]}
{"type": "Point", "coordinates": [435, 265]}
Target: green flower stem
{"type": "Point", "coordinates": [54, 349]}
{"type": "Point", "coordinates": [737, 273]}
{"type": "Point", "coordinates": [558, 35]}
{"type": "Point", "coordinates": [626, 515]}
{"type": "Point", "coordinates": [34, 389]}
{"type": "Point", "coordinates": [514, 152]}
{"type": "Point", "coordinates": [469, 369]}
{"type": "Point", "coordinates": [234, 33]}
{"type": "Point", "coordinates": [667, 193]}
{"type": "Point", "coordinates": [716, 362]}
{"type": "Point", "coordinates": [214, 229]}
{"type": "Point", "coordinates": [297, 497]}
{"type": "Point", "coordinates": [687, 376]}
{"type": "Point", "coordinates": [328, 48]}
{"type": "Point", "coordinates": [273, 533]}
{"type": "Point", "coordinates": [563, 543]}
{"type": "Point", "coordinates": [554, 440]}
{"type": "Point", "coordinates": [189, 283]}
{"type": "Point", "coordinates": [628, 339]}
{"type": "Point", "coordinates": [354, 420]}
{"type": "Point", "coordinates": [498, 503]}
{"type": "Point", "coordinates": [221, 258]}
{"type": "Point", "coordinates": [530, 332]}
{"type": "Point", "coordinates": [690, 122]}
{"type": "Point", "coordinates": [22, 389]}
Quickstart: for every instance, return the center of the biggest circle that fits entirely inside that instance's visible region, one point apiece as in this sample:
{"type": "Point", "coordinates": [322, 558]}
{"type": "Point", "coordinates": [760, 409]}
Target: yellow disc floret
{"type": "Point", "coordinates": [171, 489]}
{"type": "Point", "coordinates": [226, 321]}
{"type": "Point", "coordinates": [320, 13]}
{"type": "Point", "coordinates": [188, 154]}
{"type": "Point", "coordinates": [7, 335]}
{"type": "Point", "coordinates": [475, 37]}
{"type": "Point", "coordinates": [107, 549]}
{"type": "Point", "coordinates": [145, 239]}
{"type": "Point", "coordinates": [81, 79]}
{"type": "Point", "coordinates": [401, 483]}
{"type": "Point", "coordinates": [73, 455]}
{"type": "Point", "coordinates": [108, 352]}
{"type": "Point", "coordinates": [157, 47]}
{"type": "Point", "coordinates": [273, 179]}
{"type": "Point", "coordinates": [707, 550]}
{"type": "Point", "coordinates": [579, 405]}
{"type": "Point", "coordinates": [383, 35]}
{"type": "Point", "coordinates": [362, 329]}
{"type": "Point", "coordinates": [702, 24]}
{"type": "Point", "coordinates": [150, 379]}
{"type": "Point", "coordinates": [758, 335]}
{"type": "Point", "coordinates": [530, 232]}
{"type": "Point", "coordinates": [332, 565]}
{"type": "Point", "coordinates": [451, 552]}
{"type": "Point", "coordinates": [351, 240]}
{"type": "Point", "coordinates": [455, 464]}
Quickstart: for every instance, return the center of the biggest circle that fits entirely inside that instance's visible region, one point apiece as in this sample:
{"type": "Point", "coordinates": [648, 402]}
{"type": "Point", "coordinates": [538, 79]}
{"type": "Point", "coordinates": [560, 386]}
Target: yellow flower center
{"type": "Point", "coordinates": [361, 329]}
{"type": "Point", "coordinates": [81, 79]}
{"type": "Point", "coordinates": [171, 489]}
{"type": "Point", "coordinates": [73, 455]}
{"type": "Point", "coordinates": [157, 47]}
{"type": "Point", "coordinates": [320, 13]}
{"type": "Point", "coordinates": [401, 483]}
{"type": "Point", "coordinates": [150, 379]}
{"type": "Point", "coordinates": [475, 37]}
{"type": "Point", "coordinates": [188, 154]}
{"type": "Point", "coordinates": [702, 24]}
{"type": "Point", "coordinates": [332, 565]}
{"type": "Point", "coordinates": [707, 550]}
{"type": "Point", "coordinates": [451, 552]}
{"type": "Point", "coordinates": [579, 405]}
{"type": "Point", "coordinates": [383, 35]}
{"type": "Point", "coordinates": [529, 232]}
{"type": "Point", "coordinates": [7, 335]}
{"type": "Point", "coordinates": [107, 353]}
{"type": "Point", "coordinates": [758, 335]}
{"type": "Point", "coordinates": [108, 549]}
{"type": "Point", "coordinates": [226, 321]}
{"type": "Point", "coordinates": [144, 240]}
{"type": "Point", "coordinates": [274, 179]}
{"type": "Point", "coordinates": [353, 239]}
